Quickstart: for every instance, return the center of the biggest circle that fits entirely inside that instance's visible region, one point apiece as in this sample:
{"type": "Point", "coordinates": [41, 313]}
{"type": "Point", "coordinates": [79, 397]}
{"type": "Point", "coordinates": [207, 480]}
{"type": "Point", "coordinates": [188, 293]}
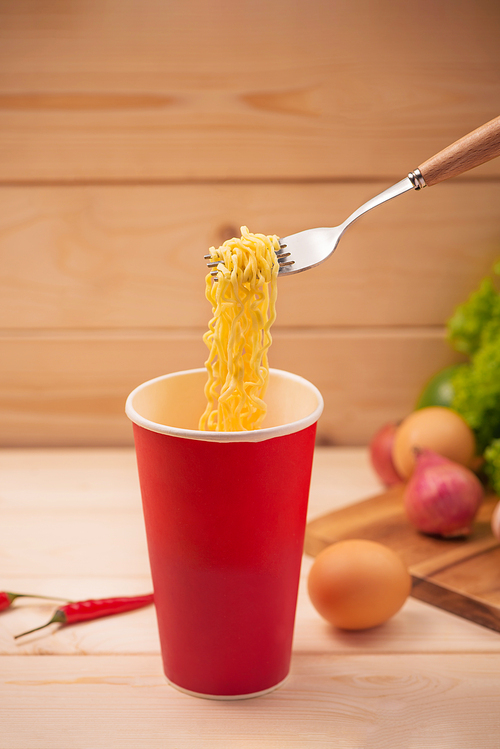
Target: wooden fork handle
{"type": "Point", "coordinates": [470, 151]}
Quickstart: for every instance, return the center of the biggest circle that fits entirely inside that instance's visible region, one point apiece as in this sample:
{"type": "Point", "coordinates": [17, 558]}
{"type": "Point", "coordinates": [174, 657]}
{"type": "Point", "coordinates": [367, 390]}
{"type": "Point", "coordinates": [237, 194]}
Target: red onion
{"type": "Point", "coordinates": [381, 454]}
{"type": "Point", "coordinates": [442, 497]}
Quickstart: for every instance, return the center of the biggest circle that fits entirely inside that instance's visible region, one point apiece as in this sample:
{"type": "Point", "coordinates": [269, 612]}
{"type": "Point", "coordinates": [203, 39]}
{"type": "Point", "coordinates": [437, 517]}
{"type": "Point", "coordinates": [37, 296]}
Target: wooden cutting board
{"type": "Point", "coordinates": [459, 575]}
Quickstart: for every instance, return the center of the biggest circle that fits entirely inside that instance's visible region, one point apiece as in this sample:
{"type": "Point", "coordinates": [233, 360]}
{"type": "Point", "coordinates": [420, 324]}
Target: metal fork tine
{"type": "Point", "coordinates": [281, 256]}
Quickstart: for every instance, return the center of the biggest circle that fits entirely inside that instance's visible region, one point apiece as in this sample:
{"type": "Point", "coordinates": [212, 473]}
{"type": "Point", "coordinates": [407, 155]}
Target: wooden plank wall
{"type": "Point", "coordinates": [134, 134]}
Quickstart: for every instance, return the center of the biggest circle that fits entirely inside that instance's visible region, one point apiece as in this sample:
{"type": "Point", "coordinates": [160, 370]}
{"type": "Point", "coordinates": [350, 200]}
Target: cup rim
{"type": "Point", "coordinates": [257, 435]}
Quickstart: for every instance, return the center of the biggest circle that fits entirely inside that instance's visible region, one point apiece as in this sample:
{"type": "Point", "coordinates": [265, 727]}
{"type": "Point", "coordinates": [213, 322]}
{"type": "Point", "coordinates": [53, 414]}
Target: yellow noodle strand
{"type": "Point", "coordinates": [243, 303]}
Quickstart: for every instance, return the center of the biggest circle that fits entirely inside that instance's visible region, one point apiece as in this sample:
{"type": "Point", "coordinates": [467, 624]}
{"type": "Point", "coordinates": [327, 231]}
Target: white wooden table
{"type": "Point", "coordinates": [71, 525]}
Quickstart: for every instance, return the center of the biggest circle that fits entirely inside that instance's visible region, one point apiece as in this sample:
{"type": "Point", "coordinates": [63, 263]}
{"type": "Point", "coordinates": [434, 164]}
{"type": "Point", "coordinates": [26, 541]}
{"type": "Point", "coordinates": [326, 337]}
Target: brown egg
{"type": "Point", "coordinates": [437, 428]}
{"type": "Point", "coordinates": [356, 584]}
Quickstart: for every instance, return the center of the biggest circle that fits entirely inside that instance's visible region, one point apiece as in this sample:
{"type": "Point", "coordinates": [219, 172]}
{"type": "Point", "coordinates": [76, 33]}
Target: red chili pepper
{"type": "Point", "coordinates": [81, 611]}
{"type": "Point", "coordinates": [7, 598]}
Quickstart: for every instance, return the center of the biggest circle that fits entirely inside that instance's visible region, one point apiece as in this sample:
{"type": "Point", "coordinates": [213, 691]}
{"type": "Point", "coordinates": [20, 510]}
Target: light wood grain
{"type": "Point", "coordinates": [132, 257]}
{"type": "Point", "coordinates": [103, 479]}
{"type": "Point", "coordinates": [106, 479]}
{"type": "Point", "coordinates": [70, 389]}
{"type": "Point", "coordinates": [134, 136]}
{"type": "Point", "coordinates": [81, 552]}
{"type": "Point", "coordinates": [184, 90]}
{"type": "Point", "coordinates": [136, 633]}
{"type": "Point", "coordinates": [100, 683]}
{"type": "Point", "coordinates": [79, 261]}
{"type": "Point", "coordinates": [346, 702]}
{"type": "Point", "coordinates": [125, 634]}
{"type": "Point", "coordinates": [92, 496]}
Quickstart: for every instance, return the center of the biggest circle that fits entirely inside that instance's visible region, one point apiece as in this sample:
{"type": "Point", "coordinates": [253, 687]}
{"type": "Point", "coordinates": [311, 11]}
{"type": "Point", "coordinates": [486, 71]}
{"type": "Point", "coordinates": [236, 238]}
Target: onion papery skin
{"type": "Point", "coordinates": [442, 497]}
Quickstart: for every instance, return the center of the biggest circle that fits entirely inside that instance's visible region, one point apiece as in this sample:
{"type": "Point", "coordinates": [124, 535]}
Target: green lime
{"type": "Point", "coordinates": [439, 389]}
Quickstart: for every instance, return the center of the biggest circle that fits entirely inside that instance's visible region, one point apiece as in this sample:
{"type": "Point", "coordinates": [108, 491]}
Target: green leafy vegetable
{"type": "Point", "coordinates": [477, 393]}
{"type": "Point", "coordinates": [492, 464]}
{"type": "Point", "coordinates": [474, 330]}
{"type": "Point", "coordinates": [475, 319]}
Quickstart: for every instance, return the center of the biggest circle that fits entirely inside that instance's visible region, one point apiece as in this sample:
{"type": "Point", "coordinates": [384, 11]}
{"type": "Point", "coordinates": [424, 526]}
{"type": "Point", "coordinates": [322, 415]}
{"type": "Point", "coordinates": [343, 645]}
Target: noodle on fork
{"type": "Point", "coordinates": [243, 300]}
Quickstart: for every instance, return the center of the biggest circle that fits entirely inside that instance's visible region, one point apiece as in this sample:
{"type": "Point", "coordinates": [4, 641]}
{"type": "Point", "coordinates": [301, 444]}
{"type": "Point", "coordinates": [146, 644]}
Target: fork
{"type": "Point", "coordinates": [306, 249]}
{"type": "Point", "coordinates": [311, 247]}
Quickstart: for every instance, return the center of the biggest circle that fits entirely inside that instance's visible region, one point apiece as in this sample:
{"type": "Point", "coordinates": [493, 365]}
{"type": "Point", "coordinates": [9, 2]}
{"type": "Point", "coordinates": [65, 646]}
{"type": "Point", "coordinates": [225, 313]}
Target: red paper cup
{"type": "Point", "coordinates": [225, 516]}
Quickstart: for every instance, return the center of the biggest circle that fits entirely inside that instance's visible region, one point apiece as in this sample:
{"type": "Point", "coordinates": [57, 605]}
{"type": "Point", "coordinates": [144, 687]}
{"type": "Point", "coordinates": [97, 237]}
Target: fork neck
{"type": "Point", "coordinates": [399, 188]}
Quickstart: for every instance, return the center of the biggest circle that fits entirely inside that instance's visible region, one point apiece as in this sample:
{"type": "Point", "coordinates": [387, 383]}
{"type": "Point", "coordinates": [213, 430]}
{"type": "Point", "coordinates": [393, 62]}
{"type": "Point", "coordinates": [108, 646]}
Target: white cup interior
{"type": "Point", "coordinates": [173, 404]}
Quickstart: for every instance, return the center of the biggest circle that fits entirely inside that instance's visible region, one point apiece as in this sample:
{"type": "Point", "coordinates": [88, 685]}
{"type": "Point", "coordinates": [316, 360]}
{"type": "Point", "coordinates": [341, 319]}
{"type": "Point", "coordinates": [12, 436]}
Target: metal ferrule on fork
{"type": "Point", "coordinates": [417, 180]}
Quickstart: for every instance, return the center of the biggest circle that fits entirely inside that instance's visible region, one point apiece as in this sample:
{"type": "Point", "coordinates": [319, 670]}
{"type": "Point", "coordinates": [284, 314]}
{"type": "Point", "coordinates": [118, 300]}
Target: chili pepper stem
{"type": "Point", "coordinates": [7, 598]}
{"type": "Point", "coordinates": [82, 611]}
{"type": "Point", "coordinates": [13, 596]}
{"type": "Point", "coordinates": [58, 618]}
